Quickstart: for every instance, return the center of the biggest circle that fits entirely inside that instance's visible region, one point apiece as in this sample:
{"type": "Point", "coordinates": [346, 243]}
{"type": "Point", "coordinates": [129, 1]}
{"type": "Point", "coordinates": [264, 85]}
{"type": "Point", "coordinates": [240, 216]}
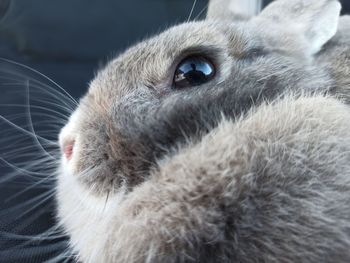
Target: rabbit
{"type": "Point", "coordinates": [335, 56]}
{"type": "Point", "coordinates": [222, 140]}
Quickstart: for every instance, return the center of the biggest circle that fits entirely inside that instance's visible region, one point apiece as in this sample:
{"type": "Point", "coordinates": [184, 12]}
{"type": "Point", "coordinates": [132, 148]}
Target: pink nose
{"type": "Point", "coordinates": [68, 148]}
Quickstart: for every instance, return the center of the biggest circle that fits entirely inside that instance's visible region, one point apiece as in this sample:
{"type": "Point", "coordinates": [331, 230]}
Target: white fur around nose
{"type": "Point", "coordinates": [67, 134]}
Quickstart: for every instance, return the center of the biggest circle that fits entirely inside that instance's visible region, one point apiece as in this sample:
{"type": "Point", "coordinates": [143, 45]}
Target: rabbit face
{"type": "Point", "coordinates": [134, 112]}
{"type": "Point", "coordinates": [171, 90]}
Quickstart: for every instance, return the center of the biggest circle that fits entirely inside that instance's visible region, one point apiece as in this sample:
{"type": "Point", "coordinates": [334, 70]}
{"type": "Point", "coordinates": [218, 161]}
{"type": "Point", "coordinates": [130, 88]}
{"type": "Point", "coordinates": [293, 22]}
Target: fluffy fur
{"type": "Point", "coordinates": [252, 166]}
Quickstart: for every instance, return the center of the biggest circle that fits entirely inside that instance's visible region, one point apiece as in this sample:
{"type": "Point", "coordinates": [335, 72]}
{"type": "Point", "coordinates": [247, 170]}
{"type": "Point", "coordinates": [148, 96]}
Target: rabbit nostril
{"type": "Point", "coordinates": [68, 148]}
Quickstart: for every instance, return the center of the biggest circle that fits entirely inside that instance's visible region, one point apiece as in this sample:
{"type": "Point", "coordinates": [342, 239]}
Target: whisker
{"type": "Point", "coordinates": [20, 170]}
{"type": "Point", "coordinates": [28, 189]}
{"type": "Point", "coordinates": [40, 90]}
{"type": "Point", "coordinates": [201, 12]}
{"type": "Point", "coordinates": [25, 131]}
{"type": "Point", "coordinates": [29, 220]}
{"type": "Point", "coordinates": [63, 117]}
{"type": "Point", "coordinates": [33, 251]}
{"type": "Point", "coordinates": [68, 254]}
{"type": "Point", "coordinates": [192, 9]}
{"type": "Point", "coordinates": [42, 75]}
{"type": "Point", "coordinates": [38, 240]}
{"type": "Point", "coordinates": [30, 134]}
{"type": "Point", "coordinates": [41, 95]}
{"type": "Point", "coordinates": [49, 195]}
{"type": "Point", "coordinates": [28, 152]}
{"type": "Point", "coordinates": [50, 235]}
{"type": "Point", "coordinates": [29, 175]}
{"type": "Point", "coordinates": [31, 127]}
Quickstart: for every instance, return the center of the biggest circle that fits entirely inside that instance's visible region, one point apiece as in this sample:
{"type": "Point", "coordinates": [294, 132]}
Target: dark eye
{"type": "Point", "coordinates": [193, 71]}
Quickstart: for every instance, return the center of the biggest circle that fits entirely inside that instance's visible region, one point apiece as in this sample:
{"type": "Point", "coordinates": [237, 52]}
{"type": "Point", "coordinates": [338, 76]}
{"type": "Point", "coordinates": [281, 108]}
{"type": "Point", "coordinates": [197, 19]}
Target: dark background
{"type": "Point", "coordinates": [68, 40]}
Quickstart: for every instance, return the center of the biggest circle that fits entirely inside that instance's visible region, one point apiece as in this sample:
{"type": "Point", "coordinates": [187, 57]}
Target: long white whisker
{"type": "Point", "coordinates": [42, 198]}
{"type": "Point", "coordinates": [44, 76]}
{"type": "Point", "coordinates": [20, 170]}
{"type": "Point", "coordinates": [25, 131]}
{"type": "Point", "coordinates": [28, 152]}
{"type": "Point", "coordinates": [63, 117]}
{"type": "Point", "coordinates": [201, 12]}
{"type": "Point", "coordinates": [28, 240]}
{"type": "Point", "coordinates": [49, 196]}
{"type": "Point", "coordinates": [192, 9]}
{"type": "Point", "coordinates": [49, 234]}
{"type": "Point", "coordinates": [65, 254]}
{"type": "Point", "coordinates": [31, 251]}
{"type": "Point", "coordinates": [69, 108]}
{"type": "Point", "coordinates": [33, 135]}
{"type": "Point", "coordinates": [30, 123]}
{"type": "Point", "coordinates": [28, 188]}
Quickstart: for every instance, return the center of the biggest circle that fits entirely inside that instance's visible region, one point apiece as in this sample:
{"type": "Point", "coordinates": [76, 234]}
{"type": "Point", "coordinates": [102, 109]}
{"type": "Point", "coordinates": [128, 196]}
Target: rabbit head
{"type": "Point", "coordinates": [173, 89]}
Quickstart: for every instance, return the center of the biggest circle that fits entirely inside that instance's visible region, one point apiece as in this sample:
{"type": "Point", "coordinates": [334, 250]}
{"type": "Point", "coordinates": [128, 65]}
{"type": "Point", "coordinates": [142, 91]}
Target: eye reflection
{"type": "Point", "coordinates": [193, 71]}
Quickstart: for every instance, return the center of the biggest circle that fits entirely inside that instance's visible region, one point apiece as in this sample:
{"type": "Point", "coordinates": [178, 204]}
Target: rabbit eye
{"type": "Point", "coordinates": [193, 71]}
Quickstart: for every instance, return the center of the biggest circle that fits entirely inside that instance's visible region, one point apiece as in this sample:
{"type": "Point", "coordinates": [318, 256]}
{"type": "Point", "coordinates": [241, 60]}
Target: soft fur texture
{"type": "Point", "coordinates": [253, 166]}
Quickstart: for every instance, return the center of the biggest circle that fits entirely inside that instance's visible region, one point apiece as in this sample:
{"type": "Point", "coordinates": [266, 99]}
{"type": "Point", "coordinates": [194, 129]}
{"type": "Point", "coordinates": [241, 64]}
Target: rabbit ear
{"type": "Point", "coordinates": [223, 9]}
{"type": "Point", "coordinates": [315, 20]}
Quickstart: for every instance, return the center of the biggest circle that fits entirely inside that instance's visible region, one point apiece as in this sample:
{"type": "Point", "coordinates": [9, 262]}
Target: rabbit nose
{"type": "Point", "coordinates": [67, 148]}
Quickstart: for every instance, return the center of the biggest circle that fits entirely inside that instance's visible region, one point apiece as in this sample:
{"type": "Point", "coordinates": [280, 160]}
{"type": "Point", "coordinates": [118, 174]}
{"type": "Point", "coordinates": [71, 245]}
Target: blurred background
{"type": "Point", "coordinates": [68, 40]}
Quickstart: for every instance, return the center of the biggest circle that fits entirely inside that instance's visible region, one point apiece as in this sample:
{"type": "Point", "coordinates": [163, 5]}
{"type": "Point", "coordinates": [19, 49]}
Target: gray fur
{"type": "Point", "coordinates": [252, 166]}
{"type": "Point", "coordinates": [336, 56]}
